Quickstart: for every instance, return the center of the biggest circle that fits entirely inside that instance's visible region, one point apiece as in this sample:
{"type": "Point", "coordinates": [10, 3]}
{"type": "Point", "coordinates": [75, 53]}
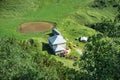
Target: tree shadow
{"type": "Point", "coordinates": [46, 47]}
{"type": "Point", "coordinates": [50, 34]}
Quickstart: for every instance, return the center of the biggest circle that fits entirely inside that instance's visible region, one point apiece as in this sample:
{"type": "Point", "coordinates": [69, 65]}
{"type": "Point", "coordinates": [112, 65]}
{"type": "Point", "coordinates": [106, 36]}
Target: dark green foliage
{"type": "Point", "coordinates": [14, 62]}
{"type": "Point", "coordinates": [117, 18]}
{"type": "Point", "coordinates": [107, 27]}
{"type": "Point", "coordinates": [117, 41]}
{"type": "Point", "coordinates": [106, 3]}
{"type": "Point", "coordinates": [101, 59]}
{"type": "Point", "coordinates": [99, 3]}
{"type": "Point", "coordinates": [17, 62]}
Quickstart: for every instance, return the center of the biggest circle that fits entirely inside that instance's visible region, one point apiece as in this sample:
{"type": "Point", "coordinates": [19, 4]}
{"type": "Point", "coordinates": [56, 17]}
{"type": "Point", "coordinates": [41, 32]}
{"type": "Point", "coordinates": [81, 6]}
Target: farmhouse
{"type": "Point", "coordinates": [58, 44]}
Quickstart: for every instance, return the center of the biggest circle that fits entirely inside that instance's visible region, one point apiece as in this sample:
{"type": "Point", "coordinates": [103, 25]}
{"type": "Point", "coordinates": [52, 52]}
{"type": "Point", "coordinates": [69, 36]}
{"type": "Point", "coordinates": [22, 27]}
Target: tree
{"type": "Point", "coordinates": [106, 3]}
{"type": "Point", "coordinates": [107, 27]}
{"type": "Point", "coordinates": [101, 59]}
{"type": "Point", "coordinates": [20, 62]}
{"type": "Point", "coordinates": [14, 62]}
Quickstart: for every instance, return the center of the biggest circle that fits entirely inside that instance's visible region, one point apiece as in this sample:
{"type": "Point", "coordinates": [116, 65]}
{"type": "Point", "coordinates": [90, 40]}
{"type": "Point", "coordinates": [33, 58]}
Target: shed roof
{"type": "Point", "coordinates": [57, 39]}
{"type": "Point", "coordinates": [84, 38]}
{"type": "Point", "coordinates": [55, 31]}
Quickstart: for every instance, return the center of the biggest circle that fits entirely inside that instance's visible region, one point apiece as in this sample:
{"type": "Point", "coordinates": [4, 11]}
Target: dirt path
{"type": "Point", "coordinates": [33, 27]}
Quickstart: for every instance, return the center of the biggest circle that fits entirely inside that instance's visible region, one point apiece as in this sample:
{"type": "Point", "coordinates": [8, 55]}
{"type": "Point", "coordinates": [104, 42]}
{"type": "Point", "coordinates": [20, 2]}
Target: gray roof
{"type": "Point", "coordinates": [55, 31]}
{"type": "Point", "coordinates": [57, 39]}
{"type": "Point", "coordinates": [58, 48]}
{"type": "Point", "coordinates": [84, 38]}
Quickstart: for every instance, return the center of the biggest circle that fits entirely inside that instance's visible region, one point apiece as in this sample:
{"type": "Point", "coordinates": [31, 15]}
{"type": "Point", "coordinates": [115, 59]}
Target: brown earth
{"type": "Point", "coordinates": [33, 27]}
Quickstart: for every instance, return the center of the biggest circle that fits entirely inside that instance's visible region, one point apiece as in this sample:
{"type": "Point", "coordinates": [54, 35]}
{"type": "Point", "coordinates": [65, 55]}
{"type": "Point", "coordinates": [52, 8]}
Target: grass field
{"type": "Point", "coordinates": [77, 13]}
{"type": "Point", "coordinates": [70, 16]}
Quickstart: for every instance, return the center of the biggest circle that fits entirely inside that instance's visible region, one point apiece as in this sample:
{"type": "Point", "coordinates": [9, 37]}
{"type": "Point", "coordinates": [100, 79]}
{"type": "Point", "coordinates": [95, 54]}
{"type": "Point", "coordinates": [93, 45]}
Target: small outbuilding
{"type": "Point", "coordinates": [55, 32]}
{"type": "Point", "coordinates": [84, 39]}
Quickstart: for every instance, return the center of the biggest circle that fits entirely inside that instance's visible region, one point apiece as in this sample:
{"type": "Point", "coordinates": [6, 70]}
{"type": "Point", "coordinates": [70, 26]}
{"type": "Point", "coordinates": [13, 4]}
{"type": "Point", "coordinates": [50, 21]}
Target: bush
{"type": "Point", "coordinates": [107, 27]}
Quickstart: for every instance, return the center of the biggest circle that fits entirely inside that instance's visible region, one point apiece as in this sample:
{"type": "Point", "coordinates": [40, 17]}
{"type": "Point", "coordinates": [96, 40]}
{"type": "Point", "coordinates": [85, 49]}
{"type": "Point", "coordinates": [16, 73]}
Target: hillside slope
{"type": "Point", "coordinates": [16, 12]}
{"type": "Point", "coordinates": [70, 16]}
